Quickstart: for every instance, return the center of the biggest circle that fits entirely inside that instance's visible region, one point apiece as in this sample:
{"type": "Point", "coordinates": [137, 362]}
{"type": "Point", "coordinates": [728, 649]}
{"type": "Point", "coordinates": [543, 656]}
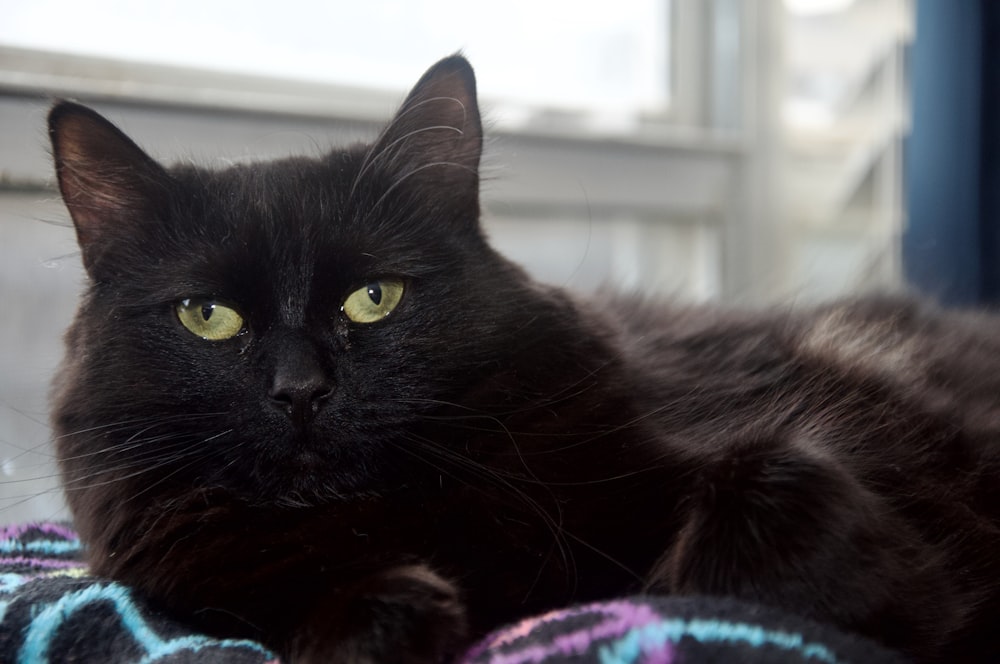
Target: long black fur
{"type": "Point", "coordinates": [493, 447]}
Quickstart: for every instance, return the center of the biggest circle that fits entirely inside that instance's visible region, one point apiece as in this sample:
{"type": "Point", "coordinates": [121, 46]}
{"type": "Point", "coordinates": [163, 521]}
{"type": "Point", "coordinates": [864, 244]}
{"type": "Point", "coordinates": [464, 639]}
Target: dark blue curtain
{"type": "Point", "coordinates": [952, 241]}
{"type": "Point", "coordinates": [990, 155]}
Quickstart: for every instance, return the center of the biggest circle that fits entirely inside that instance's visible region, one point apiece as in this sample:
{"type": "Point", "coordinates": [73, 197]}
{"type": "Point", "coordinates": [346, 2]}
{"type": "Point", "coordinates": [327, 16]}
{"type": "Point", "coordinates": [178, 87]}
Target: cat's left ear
{"type": "Point", "coordinates": [436, 137]}
{"type": "Point", "coordinates": [107, 182]}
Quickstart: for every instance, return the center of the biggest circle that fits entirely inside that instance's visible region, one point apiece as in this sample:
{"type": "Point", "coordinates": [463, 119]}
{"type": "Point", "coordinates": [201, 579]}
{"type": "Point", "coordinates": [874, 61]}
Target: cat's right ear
{"type": "Point", "coordinates": [107, 182]}
{"type": "Point", "coordinates": [436, 138]}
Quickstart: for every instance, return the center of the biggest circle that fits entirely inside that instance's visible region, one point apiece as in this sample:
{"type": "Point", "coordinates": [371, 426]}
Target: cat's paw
{"type": "Point", "coordinates": [405, 615]}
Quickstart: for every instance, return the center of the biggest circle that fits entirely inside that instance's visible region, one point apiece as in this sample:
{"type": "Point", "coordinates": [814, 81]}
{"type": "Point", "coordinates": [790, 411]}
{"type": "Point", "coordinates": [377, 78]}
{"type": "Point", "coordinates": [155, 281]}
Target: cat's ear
{"type": "Point", "coordinates": [436, 137]}
{"type": "Point", "coordinates": [107, 182]}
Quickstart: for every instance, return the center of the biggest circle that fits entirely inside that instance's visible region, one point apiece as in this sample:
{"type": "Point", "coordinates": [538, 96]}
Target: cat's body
{"type": "Point", "coordinates": [487, 447]}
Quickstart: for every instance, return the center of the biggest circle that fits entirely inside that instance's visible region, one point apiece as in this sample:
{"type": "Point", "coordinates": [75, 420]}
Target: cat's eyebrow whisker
{"type": "Point", "coordinates": [370, 162]}
{"type": "Point", "coordinates": [423, 102]}
{"type": "Point", "coordinates": [372, 156]}
{"type": "Point", "coordinates": [406, 176]}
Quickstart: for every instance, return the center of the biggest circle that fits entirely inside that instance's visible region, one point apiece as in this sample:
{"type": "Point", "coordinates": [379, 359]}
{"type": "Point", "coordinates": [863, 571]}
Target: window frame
{"type": "Point", "coordinates": [699, 162]}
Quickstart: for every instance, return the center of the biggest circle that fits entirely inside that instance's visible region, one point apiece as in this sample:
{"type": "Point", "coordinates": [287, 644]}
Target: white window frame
{"type": "Point", "coordinates": [701, 162]}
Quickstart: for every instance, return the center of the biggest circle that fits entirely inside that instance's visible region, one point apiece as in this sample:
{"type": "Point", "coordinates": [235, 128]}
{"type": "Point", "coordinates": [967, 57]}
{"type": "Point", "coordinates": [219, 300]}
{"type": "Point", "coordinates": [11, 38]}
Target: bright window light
{"type": "Point", "coordinates": [814, 7]}
{"type": "Point", "coordinates": [562, 53]}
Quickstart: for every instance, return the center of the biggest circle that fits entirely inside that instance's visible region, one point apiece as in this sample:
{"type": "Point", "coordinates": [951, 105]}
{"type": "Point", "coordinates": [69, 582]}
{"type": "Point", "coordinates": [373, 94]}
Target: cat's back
{"type": "Point", "coordinates": [904, 395]}
{"type": "Point", "coordinates": [945, 361]}
{"type": "Point", "coordinates": [887, 405]}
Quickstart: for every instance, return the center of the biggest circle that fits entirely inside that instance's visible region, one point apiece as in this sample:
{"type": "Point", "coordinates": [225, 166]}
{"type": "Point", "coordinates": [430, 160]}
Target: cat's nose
{"type": "Point", "coordinates": [300, 397]}
{"type": "Point", "coordinates": [300, 387]}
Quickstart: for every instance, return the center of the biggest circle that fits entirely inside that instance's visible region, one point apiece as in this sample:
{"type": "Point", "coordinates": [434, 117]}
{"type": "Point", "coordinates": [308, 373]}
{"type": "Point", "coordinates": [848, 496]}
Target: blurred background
{"type": "Point", "coordinates": [739, 151]}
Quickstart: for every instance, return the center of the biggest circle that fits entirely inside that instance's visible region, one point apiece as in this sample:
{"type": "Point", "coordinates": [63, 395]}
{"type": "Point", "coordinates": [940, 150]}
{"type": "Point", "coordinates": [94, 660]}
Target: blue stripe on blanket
{"type": "Point", "coordinates": [52, 610]}
{"type": "Point", "coordinates": [43, 547]}
{"type": "Point", "coordinates": [630, 648]}
{"type": "Point", "coordinates": [50, 619]}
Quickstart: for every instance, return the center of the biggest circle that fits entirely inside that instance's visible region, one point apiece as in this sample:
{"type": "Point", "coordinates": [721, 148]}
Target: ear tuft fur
{"type": "Point", "coordinates": [436, 137]}
{"type": "Point", "coordinates": [107, 182]}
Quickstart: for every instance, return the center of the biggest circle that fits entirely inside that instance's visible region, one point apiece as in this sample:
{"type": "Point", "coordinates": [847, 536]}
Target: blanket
{"type": "Point", "coordinates": [53, 610]}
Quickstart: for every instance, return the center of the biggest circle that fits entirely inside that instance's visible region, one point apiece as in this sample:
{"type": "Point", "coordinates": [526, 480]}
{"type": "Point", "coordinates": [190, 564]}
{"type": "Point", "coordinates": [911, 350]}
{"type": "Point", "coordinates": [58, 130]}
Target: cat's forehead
{"type": "Point", "coordinates": [306, 199]}
{"type": "Point", "coordinates": [287, 230]}
{"type": "Point", "coordinates": [270, 189]}
{"type": "Point", "coordinates": [279, 208]}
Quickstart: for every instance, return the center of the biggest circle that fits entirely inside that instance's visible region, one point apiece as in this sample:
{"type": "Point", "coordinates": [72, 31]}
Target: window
{"type": "Point", "coordinates": [560, 54]}
{"type": "Point", "coordinates": [845, 111]}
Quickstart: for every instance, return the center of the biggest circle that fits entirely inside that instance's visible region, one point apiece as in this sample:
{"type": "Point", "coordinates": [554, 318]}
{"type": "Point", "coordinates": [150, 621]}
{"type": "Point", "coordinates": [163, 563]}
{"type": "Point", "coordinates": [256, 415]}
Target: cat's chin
{"type": "Point", "coordinates": [300, 492]}
{"type": "Point", "coordinates": [310, 476]}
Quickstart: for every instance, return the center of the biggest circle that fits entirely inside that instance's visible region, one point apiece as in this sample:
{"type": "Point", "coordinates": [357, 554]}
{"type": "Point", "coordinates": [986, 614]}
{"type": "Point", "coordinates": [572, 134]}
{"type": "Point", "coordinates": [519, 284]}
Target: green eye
{"type": "Point", "coordinates": [208, 319]}
{"type": "Point", "coordinates": [374, 301]}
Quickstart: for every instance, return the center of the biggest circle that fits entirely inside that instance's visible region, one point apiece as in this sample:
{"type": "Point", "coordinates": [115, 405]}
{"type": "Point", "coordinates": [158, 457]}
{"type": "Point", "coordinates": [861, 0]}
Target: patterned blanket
{"type": "Point", "coordinates": [52, 610]}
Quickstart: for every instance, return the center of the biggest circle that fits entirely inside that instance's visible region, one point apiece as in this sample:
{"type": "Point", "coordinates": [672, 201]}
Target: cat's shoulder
{"type": "Point", "coordinates": [877, 333]}
{"type": "Point", "coordinates": [879, 315]}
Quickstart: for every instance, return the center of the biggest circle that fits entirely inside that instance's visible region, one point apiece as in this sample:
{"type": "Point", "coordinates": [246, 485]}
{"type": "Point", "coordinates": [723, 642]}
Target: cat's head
{"type": "Point", "coordinates": [277, 329]}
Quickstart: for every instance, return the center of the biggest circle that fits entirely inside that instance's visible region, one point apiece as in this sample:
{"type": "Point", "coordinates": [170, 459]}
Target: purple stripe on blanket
{"type": "Point", "coordinates": [614, 619]}
{"type": "Point", "coordinates": [16, 531]}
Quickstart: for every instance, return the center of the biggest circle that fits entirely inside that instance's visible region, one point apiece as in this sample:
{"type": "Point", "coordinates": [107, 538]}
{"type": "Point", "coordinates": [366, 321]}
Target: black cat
{"type": "Point", "coordinates": [304, 401]}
